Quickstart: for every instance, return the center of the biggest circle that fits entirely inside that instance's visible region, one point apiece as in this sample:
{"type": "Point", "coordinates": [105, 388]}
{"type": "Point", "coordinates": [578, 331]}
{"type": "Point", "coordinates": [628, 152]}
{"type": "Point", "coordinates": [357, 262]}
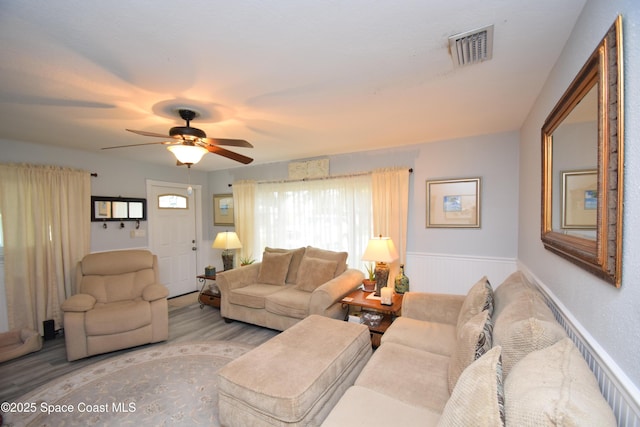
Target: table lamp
{"type": "Point", "coordinates": [381, 250]}
{"type": "Point", "coordinates": [227, 241]}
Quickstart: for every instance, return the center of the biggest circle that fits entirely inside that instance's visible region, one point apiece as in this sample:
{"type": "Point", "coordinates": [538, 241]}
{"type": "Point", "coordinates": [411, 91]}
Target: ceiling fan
{"type": "Point", "coordinates": [189, 144]}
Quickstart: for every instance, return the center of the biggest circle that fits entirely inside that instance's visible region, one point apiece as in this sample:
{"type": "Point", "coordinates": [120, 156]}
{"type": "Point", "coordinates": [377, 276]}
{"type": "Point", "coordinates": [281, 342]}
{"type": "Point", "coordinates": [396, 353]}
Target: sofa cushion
{"type": "Point", "coordinates": [252, 296]}
{"type": "Point", "coordinates": [473, 340]}
{"type": "Point", "coordinates": [381, 410]}
{"type": "Point", "coordinates": [439, 338]}
{"type": "Point", "coordinates": [390, 372]}
{"type": "Point", "coordinates": [554, 386]}
{"type": "Point", "coordinates": [290, 302]}
{"type": "Point", "coordinates": [296, 258]}
{"type": "Point", "coordinates": [117, 317]}
{"type": "Point", "coordinates": [525, 325]}
{"type": "Point", "coordinates": [478, 299]}
{"type": "Point", "coordinates": [339, 257]}
{"type": "Point", "coordinates": [509, 290]}
{"type": "Point", "coordinates": [110, 288]}
{"type": "Point", "coordinates": [314, 272]}
{"type": "Point", "coordinates": [478, 398]}
{"type": "Point", "coordinates": [274, 268]}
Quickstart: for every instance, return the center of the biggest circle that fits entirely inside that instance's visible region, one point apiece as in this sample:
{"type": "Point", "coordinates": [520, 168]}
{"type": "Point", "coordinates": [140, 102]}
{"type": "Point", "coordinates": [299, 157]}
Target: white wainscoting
{"type": "Point", "coordinates": [454, 274]}
{"type": "Point", "coordinates": [615, 386]}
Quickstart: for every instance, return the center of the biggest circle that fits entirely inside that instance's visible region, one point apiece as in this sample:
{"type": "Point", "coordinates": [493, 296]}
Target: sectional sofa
{"type": "Point", "coordinates": [484, 359]}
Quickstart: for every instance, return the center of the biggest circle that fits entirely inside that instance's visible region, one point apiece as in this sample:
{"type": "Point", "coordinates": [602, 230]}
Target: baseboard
{"type": "Point", "coordinates": [615, 386]}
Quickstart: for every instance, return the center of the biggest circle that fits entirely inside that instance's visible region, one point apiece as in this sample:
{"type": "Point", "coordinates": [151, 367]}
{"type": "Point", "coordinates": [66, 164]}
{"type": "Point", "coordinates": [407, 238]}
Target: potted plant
{"type": "Point", "coordinates": [246, 260]}
{"type": "Point", "coordinates": [370, 281]}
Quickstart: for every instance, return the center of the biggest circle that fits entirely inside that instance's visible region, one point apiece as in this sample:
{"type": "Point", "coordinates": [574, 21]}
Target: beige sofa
{"type": "Point", "coordinates": [287, 286]}
{"type": "Point", "coordinates": [487, 359]}
{"type": "Point", "coordinates": [120, 304]}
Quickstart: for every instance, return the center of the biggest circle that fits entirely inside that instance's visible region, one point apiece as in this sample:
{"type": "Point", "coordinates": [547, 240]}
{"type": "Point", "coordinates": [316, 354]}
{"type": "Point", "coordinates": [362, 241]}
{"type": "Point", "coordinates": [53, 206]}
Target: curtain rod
{"type": "Point", "coordinates": [316, 179]}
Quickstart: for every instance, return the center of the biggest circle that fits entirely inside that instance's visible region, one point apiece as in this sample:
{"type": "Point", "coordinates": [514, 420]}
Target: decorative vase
{"type": "Point", "coordinates": [402, 282]}
{"type": "Point", "coordinates": [210, 271]}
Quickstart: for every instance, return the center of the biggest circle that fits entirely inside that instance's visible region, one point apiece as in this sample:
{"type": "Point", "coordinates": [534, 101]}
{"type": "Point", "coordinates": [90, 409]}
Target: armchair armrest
{"type": "Point", "coordinates": [154, 292]}
{"type": "Point", "coordinates": [327, 294]}
{"type": "Point", "coordinates": [79, 303]}
{"type": "Point", "coordinates": [238, 277]}
{"type": "Point", "coordinates": [441, 308]}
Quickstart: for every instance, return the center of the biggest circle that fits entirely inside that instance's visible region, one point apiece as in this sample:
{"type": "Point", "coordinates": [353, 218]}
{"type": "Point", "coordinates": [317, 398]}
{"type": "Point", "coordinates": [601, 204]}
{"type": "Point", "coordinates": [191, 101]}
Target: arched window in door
{"type": "Point", "coordinates": [172, 201]}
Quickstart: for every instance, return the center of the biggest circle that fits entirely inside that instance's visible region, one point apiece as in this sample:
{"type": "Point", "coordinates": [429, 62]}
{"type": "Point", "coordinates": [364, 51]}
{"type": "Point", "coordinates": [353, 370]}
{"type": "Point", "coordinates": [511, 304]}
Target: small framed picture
{"type": "Point", "coordinates": [223, 209]}
{"type": "Point", "coordinates": [453, 203]}
{"type": "Point", "coordinates": [579, 199]}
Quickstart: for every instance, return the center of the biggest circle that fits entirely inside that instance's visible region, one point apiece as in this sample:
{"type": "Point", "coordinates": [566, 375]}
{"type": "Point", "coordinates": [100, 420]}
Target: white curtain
{"type": "Point", "coordinates": [46, 223]}
{"type": "Point", "coordinates": [243, 217]}
{"type": "Point", "coordinates": [332, 213]}
{"type": "Point", "coordinates": [390, 191]}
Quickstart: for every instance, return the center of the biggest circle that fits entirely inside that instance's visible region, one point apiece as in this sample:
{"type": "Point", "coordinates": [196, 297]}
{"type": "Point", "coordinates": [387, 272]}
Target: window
{"type": "Point", "coordinates": [334, 214]}
{"type": "Point", "coordinates": [172, 201]}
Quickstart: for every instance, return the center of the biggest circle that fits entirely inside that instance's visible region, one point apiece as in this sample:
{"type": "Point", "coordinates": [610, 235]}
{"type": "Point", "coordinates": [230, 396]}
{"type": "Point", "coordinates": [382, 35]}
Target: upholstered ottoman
{"type": "Point", "coordinates": [295, 378]}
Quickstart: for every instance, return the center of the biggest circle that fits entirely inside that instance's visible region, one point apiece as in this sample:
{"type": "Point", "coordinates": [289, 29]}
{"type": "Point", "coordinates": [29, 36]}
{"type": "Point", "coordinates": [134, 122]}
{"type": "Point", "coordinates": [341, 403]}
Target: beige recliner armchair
{"type": "Point", "coordinates": [120, 304]}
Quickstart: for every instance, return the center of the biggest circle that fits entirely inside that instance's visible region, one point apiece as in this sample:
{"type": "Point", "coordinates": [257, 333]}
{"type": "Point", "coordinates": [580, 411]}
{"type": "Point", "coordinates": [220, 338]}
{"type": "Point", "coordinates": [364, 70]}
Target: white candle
{"type": "Point", "coordinates": [386, 295]}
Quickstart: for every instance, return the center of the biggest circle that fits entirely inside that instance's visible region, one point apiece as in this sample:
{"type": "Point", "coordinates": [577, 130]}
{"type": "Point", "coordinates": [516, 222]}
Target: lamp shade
{"type": "Point", "coordinates": [188, 154]}
{"type": "Point", "coordinates": [227, 240]}
{"type": "Point", "coordinates": [380, 249]}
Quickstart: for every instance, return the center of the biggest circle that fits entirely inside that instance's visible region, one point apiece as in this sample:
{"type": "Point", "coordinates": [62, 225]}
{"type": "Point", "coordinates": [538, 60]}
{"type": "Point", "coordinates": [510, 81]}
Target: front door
{"type": "Point", "coordinates": [172, 225]}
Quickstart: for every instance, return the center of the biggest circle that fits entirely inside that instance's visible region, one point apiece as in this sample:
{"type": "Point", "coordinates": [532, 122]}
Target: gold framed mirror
{"type": "Point", "coordinates": [582, 165]}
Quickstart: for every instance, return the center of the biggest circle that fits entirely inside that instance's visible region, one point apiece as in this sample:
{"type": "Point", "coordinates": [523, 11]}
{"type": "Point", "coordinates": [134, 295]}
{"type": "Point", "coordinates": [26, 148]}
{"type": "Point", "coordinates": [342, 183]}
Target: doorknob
{"type": "Point", "coordinates": [194, 248]}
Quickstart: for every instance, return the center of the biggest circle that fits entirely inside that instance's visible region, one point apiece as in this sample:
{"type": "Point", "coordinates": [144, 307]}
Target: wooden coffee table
{"type": "Point", "coordinates": [359, 298]}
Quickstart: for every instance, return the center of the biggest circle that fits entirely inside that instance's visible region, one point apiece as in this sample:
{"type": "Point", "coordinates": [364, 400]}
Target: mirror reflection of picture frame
{"type": "Point", "coordinates": [453, 203]}
{"type": "Point", "coordinates": [223, 209]}
{"type": "Point", "coordinates": [580, 199]}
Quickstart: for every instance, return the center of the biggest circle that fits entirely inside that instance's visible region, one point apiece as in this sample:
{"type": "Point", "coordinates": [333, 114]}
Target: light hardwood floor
{"type": "Point", "coordinates": [187, 323]}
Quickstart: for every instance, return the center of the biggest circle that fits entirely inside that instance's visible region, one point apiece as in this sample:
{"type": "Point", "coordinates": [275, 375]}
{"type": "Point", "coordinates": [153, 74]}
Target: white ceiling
{"type": "Point", "coordinates": [296, 78]}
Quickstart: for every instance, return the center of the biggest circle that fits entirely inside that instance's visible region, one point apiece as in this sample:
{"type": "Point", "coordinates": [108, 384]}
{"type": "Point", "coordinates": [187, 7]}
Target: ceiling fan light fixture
{"type": "Point", "coordinates": [188, 154]}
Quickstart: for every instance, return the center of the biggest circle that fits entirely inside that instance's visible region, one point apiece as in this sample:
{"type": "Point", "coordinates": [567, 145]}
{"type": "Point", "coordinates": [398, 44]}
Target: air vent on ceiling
{"type": "Point", "coordinates": [471, 47]}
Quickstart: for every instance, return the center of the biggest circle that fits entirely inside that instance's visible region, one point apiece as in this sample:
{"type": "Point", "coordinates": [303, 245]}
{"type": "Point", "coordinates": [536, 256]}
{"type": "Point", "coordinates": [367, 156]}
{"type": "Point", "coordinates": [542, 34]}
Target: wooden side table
{"type": "Point", "coordinates": [359, 298]}
{"type": "Point", "coordinates": [207, 296]}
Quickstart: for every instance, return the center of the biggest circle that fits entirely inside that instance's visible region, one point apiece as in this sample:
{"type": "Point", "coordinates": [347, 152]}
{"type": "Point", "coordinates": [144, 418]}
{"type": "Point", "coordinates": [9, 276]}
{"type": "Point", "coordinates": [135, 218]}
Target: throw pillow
{"type": "Point", "coordinates": [525, 325]}
{"type": "Point", "coordinates": [554, 386]}
{"type": "Point", "coordinates": [473, 340]}
{"type": "Point", "coordinates": [274, 267]}
{"type": "Point", "coordinates": [296, 257]}
{"type": "Point", "coordinates": [478, 398]}
{"type": "Point", "coordinates": [478, 299]}
{"type": "Point", "coordinates": [339, 257]}
{"type": "Point", "coordinates": [314, 272]}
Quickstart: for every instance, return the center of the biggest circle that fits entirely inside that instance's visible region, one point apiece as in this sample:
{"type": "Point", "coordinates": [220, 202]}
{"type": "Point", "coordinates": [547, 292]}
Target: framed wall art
{"type": "Point", "coordinates": [223, 209]}
{"type": "Point", "coordinates": [579, 199]}
{"type": "Point", "coordinates": [453, 203]}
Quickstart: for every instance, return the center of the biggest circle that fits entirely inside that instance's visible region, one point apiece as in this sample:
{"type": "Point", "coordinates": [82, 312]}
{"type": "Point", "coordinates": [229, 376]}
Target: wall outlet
{"type": "Point", "coordinates": [138, 233]}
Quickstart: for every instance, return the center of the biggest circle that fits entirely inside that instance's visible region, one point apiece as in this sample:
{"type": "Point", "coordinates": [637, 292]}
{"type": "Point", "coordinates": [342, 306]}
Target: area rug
{"type": "Point", "coordinates": [166, 385]}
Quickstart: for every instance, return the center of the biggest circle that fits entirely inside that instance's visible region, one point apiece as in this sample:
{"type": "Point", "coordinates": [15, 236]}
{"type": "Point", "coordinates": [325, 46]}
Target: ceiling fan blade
{"type": "Point", "coordinates": [229, 154]}
{"type": "Point", "coordinates": [135, 145]}
{"type": "Point", "coordinates": [145, 133]}
{"type": "Point", "coordinates": [228, 142]}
